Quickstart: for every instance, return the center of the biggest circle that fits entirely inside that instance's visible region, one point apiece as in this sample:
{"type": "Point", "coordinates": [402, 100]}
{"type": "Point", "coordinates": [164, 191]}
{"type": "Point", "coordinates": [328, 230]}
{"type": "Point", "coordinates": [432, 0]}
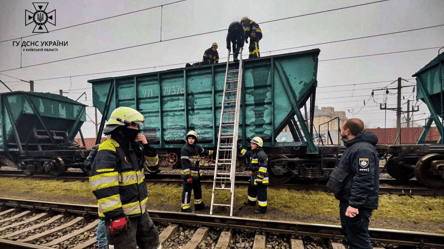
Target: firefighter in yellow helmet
{"type": "Point", "coordinates": [257, 190]}
{"type": "Point", "coordinates": [117, 181]}
{"type": "Point", "coordinates": [211, 56]}
{"type": "Point", "coordinates": [191, 175]}
{"type": "Point", "coordinates": [253, 31]}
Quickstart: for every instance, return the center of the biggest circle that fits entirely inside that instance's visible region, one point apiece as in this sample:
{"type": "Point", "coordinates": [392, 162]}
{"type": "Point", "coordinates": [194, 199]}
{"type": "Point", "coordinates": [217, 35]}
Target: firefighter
{"type": "Point", "coordinates": [191, 175]}
{"type": "Point", "coordinates": [236, 36]}
{"type": "Point", "coordinates": [253, 31]}
{"type": "Point", "coordinates": [257, 189]}
{"type": "Point", "coordinates": [117, 181]}
{"type": "Point", "coordinates": [211, 56]}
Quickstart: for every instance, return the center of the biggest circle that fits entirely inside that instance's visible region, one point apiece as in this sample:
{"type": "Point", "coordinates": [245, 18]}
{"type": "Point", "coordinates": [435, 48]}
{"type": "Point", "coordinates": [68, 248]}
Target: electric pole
{"type": "Point", "coordinates": [31, 85]}
{"type": "Point", "coordinates": [398, 113]}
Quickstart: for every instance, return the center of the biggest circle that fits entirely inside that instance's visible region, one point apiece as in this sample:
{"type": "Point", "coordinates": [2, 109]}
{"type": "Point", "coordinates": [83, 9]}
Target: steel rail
{"type": "Point", "coordinates": [407, 238]}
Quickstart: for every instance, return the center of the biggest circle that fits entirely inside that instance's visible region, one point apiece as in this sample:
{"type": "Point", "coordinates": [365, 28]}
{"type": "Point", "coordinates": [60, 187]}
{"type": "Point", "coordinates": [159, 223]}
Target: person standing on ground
{"type": "Point", "coordinates": [257, 189]}
{"type": "Point", "coordinates": [191, 175]}
{"type": "Point", "coordinates": [355, 182]}
{"type": "Point", "coordinates": [117, 181]}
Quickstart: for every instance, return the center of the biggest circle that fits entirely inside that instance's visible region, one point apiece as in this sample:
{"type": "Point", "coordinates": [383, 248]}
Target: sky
{"type": "Point", "coordinates": [365, 45]}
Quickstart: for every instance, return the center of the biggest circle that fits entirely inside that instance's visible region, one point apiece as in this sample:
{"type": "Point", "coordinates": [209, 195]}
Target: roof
{"type": "Point", "coordinates": [431, 64]}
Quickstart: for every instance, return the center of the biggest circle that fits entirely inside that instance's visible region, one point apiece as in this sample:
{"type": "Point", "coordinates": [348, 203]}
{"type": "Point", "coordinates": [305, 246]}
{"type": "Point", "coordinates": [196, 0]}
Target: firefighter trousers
{"type": "Point", "coordinates": [236, 45]}
{"type": "Point", "coordinates": [258, 193]}
{"type": "Point", "coordinates": [141, 232]}
{"type": "Point", "coordinates": [254, 46]}
{"type": "Point", "coordinates": [186, 194]}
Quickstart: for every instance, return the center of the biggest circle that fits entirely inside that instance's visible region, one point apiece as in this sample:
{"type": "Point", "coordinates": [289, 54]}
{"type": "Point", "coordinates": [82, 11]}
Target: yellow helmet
{"type": "Point", "coordinates": [123, 116]}
{"type": "Point", "coordinates": [258, 141]}
{"type": "Point", "coordinates": [243, 19]}
{"type": "Point", "coordinates": [192, 134]}
{"type": "Point", "coordinates": [214, 44]}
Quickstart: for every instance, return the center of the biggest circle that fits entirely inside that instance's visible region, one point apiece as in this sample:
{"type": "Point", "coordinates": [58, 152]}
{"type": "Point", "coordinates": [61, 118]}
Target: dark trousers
{"type": "Point", "coordinates": [261, 193]}
{"type": "Point", "coordinates": [254, 46]}
{"type": "Point", "coordinates": [356, 228]}
{"type": "Point", "coordinates": [141, 232]}
{"type": "Point", "coordinates": [236, 45]}
{"type": "Point", "coordinates": [186, 193]}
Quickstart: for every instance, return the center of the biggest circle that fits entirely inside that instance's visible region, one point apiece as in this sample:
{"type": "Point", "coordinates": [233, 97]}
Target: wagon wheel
{"type": "Point", "coordinates": [205, 161]}
{"type": "Point", "coordinates": [58, 167]}
{"type": "Point", "coordinates": [397, 172]}
{"type": "Point", "coordinates": [278, 178]}
{"type": "Point", "coordinates": [172, 159]}
{"type": "Point", "coordinates": [424, 172]}
{"type": "Point", "coordinates": [24, 167]}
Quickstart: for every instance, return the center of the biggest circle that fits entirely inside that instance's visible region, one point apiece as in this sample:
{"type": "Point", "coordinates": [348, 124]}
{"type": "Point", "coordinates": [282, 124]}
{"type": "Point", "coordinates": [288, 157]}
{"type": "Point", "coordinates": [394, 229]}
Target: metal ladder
{"type": "Point", "coordinates": [225, 167]}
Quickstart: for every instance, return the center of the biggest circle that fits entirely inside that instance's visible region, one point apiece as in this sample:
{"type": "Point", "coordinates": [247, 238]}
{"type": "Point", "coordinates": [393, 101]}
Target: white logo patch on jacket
{"type": "Point", "coordinates": [363, 165]}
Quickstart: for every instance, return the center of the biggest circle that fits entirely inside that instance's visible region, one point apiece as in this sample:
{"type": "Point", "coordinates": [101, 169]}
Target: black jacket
{"type": "Point", "coordinates": [117, 177]}
{"type": "Point", "coordinates": [250, 26]}
{"type": "Point", "coordinates": [356, 179]}
{"type": "Point", "coordinates": [235, 33]}
{"type": "Point", "coordinates": [189, 155]}
{"type": "Point", "coordinates": [258, 164]}
{"type": "Point", "coordinates": [210, 56]}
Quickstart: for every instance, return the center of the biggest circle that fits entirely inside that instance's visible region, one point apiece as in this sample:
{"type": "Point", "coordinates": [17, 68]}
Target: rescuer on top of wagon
{"type": "Point", "coordinates": [191, 175]}
{"type": "Point", "coordinates": [253, 31]}
{"type": "Point", "coordinates": [236, 36]}
{"type": "Point", "coordinates": [211, 56]}
{"type": "Point", "coordinates": [117, 181]}
{"type": "Point", "coordinates": [257, 189]}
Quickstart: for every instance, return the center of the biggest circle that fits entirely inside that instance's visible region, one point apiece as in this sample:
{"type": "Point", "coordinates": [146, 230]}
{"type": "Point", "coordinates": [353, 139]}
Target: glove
{"type": "Point", "coordinates": [239, 147]}
{"type": "Point", "coordinates": [254, 173]}
{"type": "Point", "coordinates": [189, 180]}
{"type": "Point", "coordinates": [228, 47]}
{"type": "Point", "coordinates": [118, 226]}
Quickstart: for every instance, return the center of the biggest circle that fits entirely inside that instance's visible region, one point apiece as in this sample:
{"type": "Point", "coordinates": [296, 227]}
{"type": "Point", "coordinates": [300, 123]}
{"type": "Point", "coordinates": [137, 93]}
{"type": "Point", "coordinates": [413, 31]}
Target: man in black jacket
{"type": "Point", "coordinates": [211, 56]}
{"type": "Point", "coordinates": [236, 36]}
{"type": "Point", "coordinates": [355, 182]}
{"type": "Point", "coordinates": [117, 181]}
{"type": "Point", "coordinates": [257, 189]}
{"type": "Point", "coordinates": [189, 155]}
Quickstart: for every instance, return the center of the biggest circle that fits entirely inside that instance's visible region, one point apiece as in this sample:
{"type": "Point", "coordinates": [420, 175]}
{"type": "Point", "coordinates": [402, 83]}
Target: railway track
{"type": "Point", "coordinates": [388, 186]}
{"type": "Point", "coordinates": [43, 225]}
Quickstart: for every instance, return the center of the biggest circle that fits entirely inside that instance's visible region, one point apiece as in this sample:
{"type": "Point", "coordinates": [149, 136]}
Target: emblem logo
{"type": "Point", "coordinates": [40, 17]}
{"type": "Point", "coordinates": [363, 162]}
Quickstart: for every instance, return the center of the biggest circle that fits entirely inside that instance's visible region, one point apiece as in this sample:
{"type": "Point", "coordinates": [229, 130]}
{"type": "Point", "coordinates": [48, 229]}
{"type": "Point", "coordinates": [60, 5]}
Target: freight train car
{"type": "Point", "coordinates": [37, 132]}
{"type": "Point", "coordinates": [275, 91]}
{"type": "Point", "coordinates": [425, 161]}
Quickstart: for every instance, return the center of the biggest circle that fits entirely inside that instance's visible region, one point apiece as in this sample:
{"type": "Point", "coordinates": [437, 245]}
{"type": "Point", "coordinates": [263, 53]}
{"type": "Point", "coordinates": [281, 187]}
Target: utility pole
{"type": "Point", "coordinates": [398, 113]}
{"type": "Point", "coordinates": [408, 113]}
{"type": "Point", "coordinates": [31, 85]}
{"type": "Point", "coordinates": [61, 92]}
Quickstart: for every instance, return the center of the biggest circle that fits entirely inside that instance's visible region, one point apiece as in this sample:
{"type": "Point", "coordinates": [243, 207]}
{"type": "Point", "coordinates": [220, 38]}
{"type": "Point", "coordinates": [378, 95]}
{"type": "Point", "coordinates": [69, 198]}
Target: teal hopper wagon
{"type": "Point", "coordinates": [421, 160]}
{"type": "Point", "coordinates": [276, 92]}
{"type": "Point", "coordinates": [37, 132]}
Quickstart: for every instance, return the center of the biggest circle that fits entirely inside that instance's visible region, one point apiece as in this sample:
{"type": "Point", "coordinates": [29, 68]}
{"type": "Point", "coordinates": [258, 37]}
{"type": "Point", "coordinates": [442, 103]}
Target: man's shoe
{"type": "Point", "coordinates": [248, 203]}
{"type": "Point", "coordinates": [188, 210]}
{"type": "Point", "coordinates": [236, 60]}
{"type": "Point", "coordinates": [200, 207]}
{"type": "Point", "coordinates": [259, 212]}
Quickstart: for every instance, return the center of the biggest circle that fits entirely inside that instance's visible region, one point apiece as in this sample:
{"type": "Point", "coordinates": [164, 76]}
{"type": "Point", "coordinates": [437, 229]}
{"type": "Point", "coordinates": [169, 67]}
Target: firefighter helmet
{"type": "Point", "coordinates": [243, 19]}
{"type": "Point", "coordinates": [192, 134]}
{"type": "Point", "coordinates": [214, 44]}
{"type": "Point", "coordinates": [123, 116]}
{"type": "Point", "coordinates": [258, 141]}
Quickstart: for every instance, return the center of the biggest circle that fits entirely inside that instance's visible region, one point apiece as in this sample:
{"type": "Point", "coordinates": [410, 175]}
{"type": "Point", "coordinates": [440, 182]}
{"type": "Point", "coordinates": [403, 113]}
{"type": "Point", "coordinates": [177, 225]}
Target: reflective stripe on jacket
{"type": "Point", "coordinates": [258, 162]}
{"type": "Point", "coordinates": [117, 180]}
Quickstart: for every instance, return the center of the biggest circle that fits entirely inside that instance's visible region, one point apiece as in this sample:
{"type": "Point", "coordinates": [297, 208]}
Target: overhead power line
{"type": "Point", "coordinates": [193, 35]}
{"type": "Point", "coordinates": [98, 20]}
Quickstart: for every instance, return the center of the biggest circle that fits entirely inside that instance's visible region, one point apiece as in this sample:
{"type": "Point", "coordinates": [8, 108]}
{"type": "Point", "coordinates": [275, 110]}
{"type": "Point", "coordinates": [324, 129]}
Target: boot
{"type": "Point", "coordinates": [250, 203]}
{"type": "Point", "coordinates": [188, 210]}
{"type": "Point", "coordinates": [200, 206]}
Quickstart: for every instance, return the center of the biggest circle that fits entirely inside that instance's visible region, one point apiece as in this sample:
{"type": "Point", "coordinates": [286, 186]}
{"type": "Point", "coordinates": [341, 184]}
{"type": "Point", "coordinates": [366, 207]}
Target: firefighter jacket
{"type": "Point", "coordinates": [249, 27]}
{"type": "Point", "coordinates": [356, 179]}
{"type": "Point", "coordinates": [189, 155]}
{"type": "Point", "coordinates": [235, 33]}
{"type": "Point", "coordinates": [117, 177]}
{"type": "Point", "coordinates": [210, 56]}
{"type": "Point", "coordinates": [258, 166]}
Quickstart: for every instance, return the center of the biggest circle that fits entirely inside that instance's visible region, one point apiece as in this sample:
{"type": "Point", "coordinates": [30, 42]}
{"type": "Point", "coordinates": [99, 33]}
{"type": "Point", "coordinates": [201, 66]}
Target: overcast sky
{"type": "Point", "coordinates": [140, 35]}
